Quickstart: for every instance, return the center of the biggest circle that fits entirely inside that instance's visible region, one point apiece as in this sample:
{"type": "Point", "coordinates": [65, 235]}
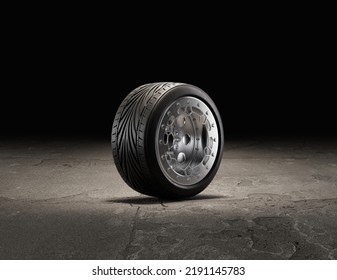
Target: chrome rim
{"type": "Point", "coordinates": [187, 141]}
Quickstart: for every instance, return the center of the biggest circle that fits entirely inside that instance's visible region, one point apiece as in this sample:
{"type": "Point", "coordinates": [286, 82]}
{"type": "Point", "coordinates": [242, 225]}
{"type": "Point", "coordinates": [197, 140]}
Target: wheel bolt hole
{"type": "Point", "coordinates": [186, 139]}
{"type": "Point", "coordinates": [181, 158]}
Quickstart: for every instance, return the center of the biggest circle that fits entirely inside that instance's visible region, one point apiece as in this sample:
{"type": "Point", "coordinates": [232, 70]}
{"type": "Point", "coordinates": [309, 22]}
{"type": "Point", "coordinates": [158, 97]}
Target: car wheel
{"type": "Point", "coordinates": [167, 140]}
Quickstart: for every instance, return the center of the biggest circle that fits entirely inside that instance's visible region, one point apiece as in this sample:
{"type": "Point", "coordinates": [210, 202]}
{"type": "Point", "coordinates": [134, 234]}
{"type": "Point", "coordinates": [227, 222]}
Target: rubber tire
{"type": "Point", "coordinates": [133, 139]}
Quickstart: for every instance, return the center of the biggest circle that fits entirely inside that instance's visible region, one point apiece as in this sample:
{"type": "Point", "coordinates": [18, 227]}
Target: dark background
{"type": "Point", "coordinates": [66, 76]}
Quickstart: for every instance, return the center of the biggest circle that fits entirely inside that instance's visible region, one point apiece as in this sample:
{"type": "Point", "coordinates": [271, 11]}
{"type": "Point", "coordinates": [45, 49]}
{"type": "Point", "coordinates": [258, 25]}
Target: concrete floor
{"type": "Point", "coordinates": [274, 199]}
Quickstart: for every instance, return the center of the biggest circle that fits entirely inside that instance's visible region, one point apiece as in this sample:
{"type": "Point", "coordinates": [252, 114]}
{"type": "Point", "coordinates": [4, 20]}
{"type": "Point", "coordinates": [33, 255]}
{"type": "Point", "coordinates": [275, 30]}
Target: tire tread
{"type": "Point", "coordinates": [127, 136]}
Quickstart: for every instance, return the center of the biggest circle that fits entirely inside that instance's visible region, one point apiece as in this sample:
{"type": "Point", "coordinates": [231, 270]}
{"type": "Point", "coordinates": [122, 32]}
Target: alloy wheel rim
{"type": "Point", "coordinates": [187, 141]}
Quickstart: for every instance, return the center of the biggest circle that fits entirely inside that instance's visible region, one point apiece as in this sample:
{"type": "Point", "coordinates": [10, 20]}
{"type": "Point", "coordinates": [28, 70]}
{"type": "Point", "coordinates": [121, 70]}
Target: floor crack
{"type": "Point", "coordinates": [309, 239]}
{"type": "Point", "coordinates": [39, 163]}
{"type": "Point", "coordinates": [129, 247]}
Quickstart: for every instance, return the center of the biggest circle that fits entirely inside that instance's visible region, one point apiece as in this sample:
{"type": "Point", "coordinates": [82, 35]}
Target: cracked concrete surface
{"type": "Point", "coordinates": [274, 199]}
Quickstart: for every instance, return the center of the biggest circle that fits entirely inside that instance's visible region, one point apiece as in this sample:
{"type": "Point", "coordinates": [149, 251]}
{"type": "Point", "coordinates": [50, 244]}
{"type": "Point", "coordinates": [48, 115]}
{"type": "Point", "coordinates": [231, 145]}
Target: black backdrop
{"type": "Point", "coordinates": [67, 81]}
